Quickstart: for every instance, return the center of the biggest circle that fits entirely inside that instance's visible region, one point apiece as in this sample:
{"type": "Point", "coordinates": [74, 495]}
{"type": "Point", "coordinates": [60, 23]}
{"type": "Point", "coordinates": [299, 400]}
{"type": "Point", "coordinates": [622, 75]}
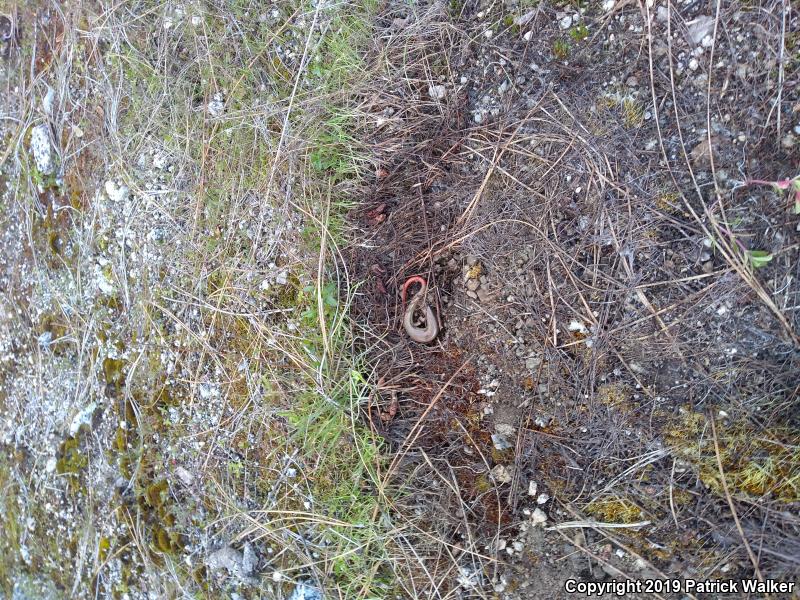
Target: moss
{"type": "Point", "coordinates": [114, 373]}
{"type": "Point", "coordinates": [103, 548]}
{"type": "Point", "coordinates": [617, 510]}
{"type": "Point", "coordinates": [756, 463]}
{"type": "Point", "coordinates": [669, 202]}
{"type": "Point", "coordinates": [483, 484]}
{"type": "Point", "coordinates": [70, 459]}
{"type": "Point", "coordinates": [155, 493]}
{"type": "Point", "coordinates": [632, 113]}
{"type": "Point", "coordinates": [615, 396]}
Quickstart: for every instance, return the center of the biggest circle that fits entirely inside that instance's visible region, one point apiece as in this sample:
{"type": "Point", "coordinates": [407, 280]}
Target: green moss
{"type": "Point", "coordinates": [71, 460]}
{"type": "Point", "coordinates": [156, 493]}
{"type": "Point", "coordinates": [617, 510]}
{"type": "Point", "coordinates": [756, 463]}
{"type": "Point", "coordinates": [114, 372]}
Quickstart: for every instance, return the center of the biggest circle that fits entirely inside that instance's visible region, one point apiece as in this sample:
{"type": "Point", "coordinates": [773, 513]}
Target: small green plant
{"type": "Point", "coordinates": [758, 258]}
{"type": "Point", "coordinates": [579, 32]}
{"type": "Point", "coordinates": [561, 48]}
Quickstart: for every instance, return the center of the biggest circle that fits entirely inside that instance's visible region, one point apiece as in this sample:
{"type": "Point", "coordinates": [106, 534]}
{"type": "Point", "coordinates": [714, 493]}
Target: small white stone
{"type": "Point", "coordinates": [693, 64]}
{"type": "Point", "coordinates": [542, 499]}
{"type": "Point", "coordinates": [116, 193]}
{"type": "Point", "coordinates": [185, 476]}
{"type": "Point", "coordinates": [437, 92]}
{"type": "Point", "coordinates": [699, 28]}
{"type": "Point", "coordinates": [84, 417]}
{"type": "Point", "coordinates": [42, 150]}
{"type": "Point", "coordinates": [501, 474]}
{"type": "Point", "coordinates": [532, 488]}
{"type": "Point", "coordinates": [50, 466]}
{"type": "Point", "coordinates": [578, 327]}
{"type": "Point", "coordinates": [608, 5]}
{"type": "Point", "coordinates": [217, 105]}
{"type": "Point", "coordinates": [528, 35]}
{"type": "Point", "coordinates": [565, 22]}
{"type": "Point", "coordinates": [48, 100]}
{"type": "Point", "coordinates": [538, 517]}
{"type": "Point", "coordinates": [488, 34]}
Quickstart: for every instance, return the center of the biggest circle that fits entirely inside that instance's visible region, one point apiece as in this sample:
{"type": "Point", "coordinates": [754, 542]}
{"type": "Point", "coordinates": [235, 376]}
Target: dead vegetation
{"type": "Point", "coordinates": [697, 436]}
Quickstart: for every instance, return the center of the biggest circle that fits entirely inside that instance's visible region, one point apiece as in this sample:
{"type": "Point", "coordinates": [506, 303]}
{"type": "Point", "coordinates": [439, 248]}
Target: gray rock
{"type": "Point", "coordinates": [303, 591]}
{"type": "Point", "coordinates": [42, 150]}
{"type": "Point", "coordinates": [532, 362]}
{"type": "Point", "coordinates": [473, 284]}
{"type": "Point", "coordinates": [501, 474]}
{"type": "Point", "coordinates": [231, 560]}
{"type": "Point", "coordinates": [699, 28]}
{"type": "Point", "coordinates": [249, 560]}
{"type": "Point", "coordinates": [500, 442]}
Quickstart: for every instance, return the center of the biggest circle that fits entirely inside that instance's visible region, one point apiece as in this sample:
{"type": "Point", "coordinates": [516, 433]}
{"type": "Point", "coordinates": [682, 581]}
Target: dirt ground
{"type": "Point", "coordinates": [603, 199]}
{"type": "Point", "coordinates": [574, 193]}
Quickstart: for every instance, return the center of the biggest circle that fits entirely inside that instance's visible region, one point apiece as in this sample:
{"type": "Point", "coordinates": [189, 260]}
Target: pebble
{"type": "Point", "coordinates": [505, 429]}
{"type": "Point", "coordinates": [473, 285]}
{"type": "Point", "coordinates": [532, 362]}
{"type": "Point", "coordinates": [185, 476]}
{"type": "Point", "coordinates": [532, 488]}
{"type": "Point", "coordinates": [217, 105]}
{"type": "Point", "coordinates": [501, 474]}
{"type": "Point", "coordinates": [472, 295]}
{"type": "Point", "coordinates": [483, 295]}
{"type": "Point", "coordinates": [41, 149]}
{"type": "Point", "coordinates": [565, 22]}
{"type": "Point", "coordinates": [538, 517]}
{"type": "Point", "coordinates": [699, 28]}
{"type": "Point", "coordinates": [437, 92]}
{"type": "Point", "coordinates": [500, 442]}
{"type": "Point", "coordinates": [305, 592]}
